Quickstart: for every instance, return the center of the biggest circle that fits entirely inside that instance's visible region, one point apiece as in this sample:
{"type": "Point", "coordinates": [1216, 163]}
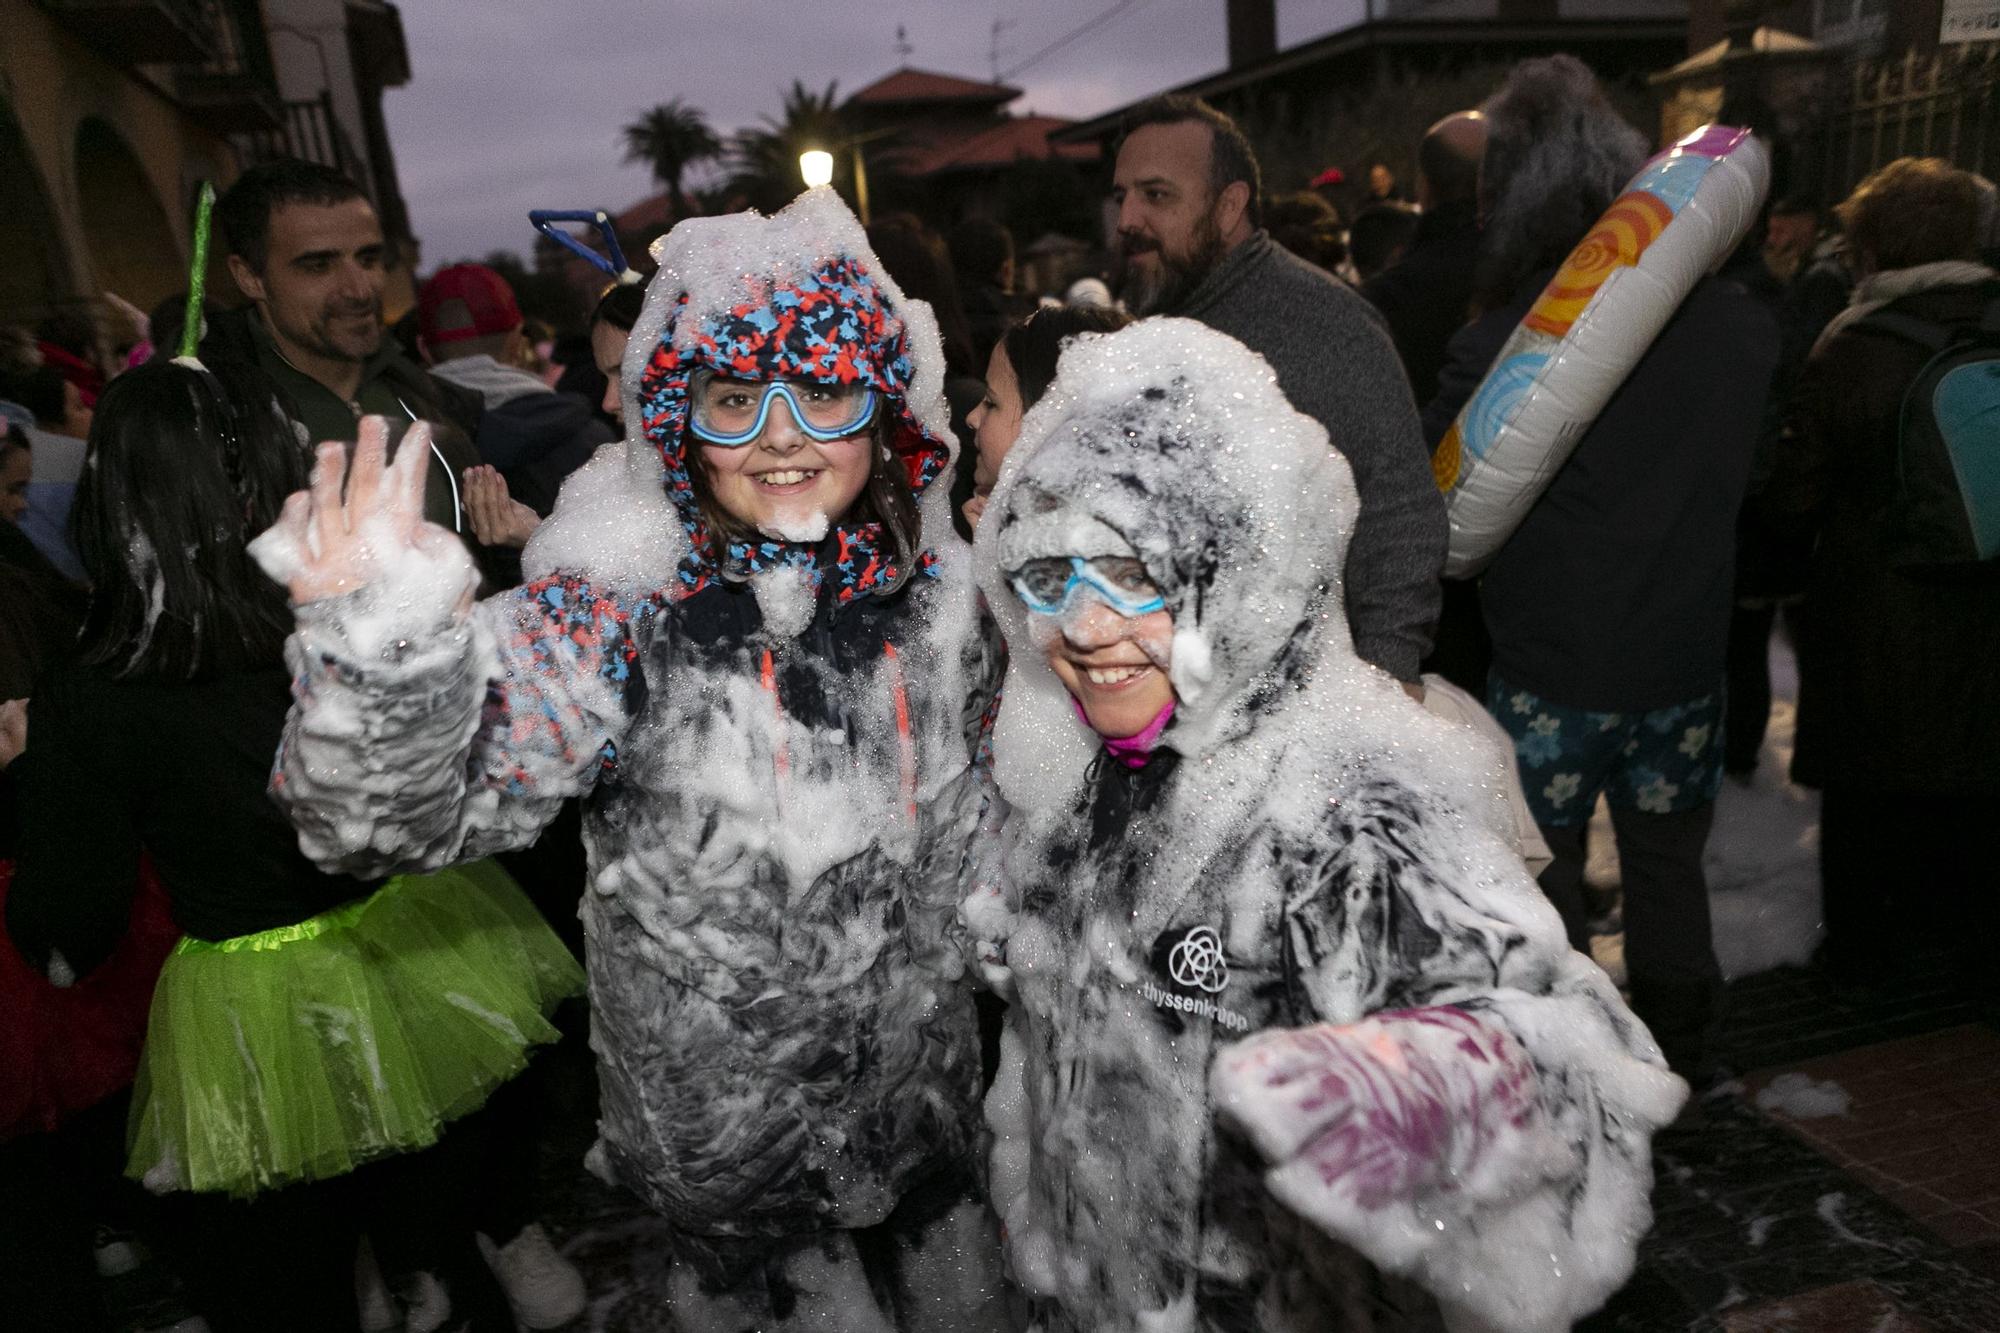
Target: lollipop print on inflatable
{"type": "Point", "coordinates": [1684, 213]}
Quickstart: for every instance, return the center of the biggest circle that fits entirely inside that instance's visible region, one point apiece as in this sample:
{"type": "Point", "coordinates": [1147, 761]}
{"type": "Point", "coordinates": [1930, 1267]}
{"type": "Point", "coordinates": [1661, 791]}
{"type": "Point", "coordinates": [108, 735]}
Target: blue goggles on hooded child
{"type": "Point", "coordinates": [733, 413]}
{"type": "Point", "coordinates": [1048, 586]}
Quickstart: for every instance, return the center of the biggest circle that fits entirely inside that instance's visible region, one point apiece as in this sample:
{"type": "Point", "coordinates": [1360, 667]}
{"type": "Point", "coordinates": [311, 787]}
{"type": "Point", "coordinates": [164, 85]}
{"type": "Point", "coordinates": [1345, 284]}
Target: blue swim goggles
{"type": "Point", "coordinates": [733, 413]}
{"type": "Point", "coordinates": [1048, 585]}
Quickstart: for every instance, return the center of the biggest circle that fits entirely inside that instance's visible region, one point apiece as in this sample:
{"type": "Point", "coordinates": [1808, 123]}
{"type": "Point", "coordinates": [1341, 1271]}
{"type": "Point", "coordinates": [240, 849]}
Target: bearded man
{"type": "Point", "coordinates": [1186, 186]}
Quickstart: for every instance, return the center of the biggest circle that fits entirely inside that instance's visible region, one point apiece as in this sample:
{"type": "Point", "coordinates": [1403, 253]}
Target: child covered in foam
{"type": "Point", "coordinates": [1295, 1042]}
{"type": "Point", "coordinates": [750, 645]}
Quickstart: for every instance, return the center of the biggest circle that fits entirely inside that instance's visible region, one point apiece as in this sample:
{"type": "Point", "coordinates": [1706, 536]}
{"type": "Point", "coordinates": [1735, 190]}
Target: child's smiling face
{"type": "Point", "coordinates": [1113, 661]}
{"type": "Point", "coordinates": [1115, 667]}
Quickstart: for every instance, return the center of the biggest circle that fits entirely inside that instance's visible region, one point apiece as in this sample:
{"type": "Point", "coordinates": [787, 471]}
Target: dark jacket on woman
{"type": "Point", "coordinates": [1899, 676]}
{"type": "Point", "coordinates": [1614, 592]}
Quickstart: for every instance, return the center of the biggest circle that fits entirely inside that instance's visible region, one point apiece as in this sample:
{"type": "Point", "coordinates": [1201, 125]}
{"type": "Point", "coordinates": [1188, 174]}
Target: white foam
{"type": "Point", "coordinates": [612, 523]}
{"type": "Point", "coordinates": [1803, 1097]}
{"type": "Point", "coordinates": [785, 596]}
{"type": "Point", "coordinates": [144, 564]}
{"type": "Point", "coordinates": [812, 528]}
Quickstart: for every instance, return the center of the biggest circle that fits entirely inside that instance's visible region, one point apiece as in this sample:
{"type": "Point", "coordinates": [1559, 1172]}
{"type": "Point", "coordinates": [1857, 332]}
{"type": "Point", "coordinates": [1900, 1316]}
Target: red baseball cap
{"type": "Point", "coordinates": [465, 301]}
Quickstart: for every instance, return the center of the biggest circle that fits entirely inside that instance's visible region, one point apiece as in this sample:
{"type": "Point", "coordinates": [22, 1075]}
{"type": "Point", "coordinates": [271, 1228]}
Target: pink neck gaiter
{"type": "Point", "coordinates": [1132, 751]}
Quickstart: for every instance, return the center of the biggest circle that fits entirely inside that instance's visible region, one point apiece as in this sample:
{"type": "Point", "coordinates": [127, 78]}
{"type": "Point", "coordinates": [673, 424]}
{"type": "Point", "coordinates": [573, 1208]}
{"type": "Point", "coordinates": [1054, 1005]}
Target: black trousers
{"type": "Point", "coordinates": [1747, 701]}
{"type": "Point", "coordinates": [1461, 649]}
{"type": "Point", "coordinates": [1670, 966]}
{"type": "Point", "coordinates": [495, 1167]}
{"type": "Point", "coordinates": [54, 1188]}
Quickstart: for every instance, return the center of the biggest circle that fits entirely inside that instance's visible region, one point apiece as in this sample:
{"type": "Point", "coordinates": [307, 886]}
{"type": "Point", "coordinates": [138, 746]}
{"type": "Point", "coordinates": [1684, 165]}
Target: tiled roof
{"type": "Point", "coordinates": [655, 210]}
{"type": "Point", "coordinates": [1024, 136]}
{"type": "Point", "coordinates": [918, 85]}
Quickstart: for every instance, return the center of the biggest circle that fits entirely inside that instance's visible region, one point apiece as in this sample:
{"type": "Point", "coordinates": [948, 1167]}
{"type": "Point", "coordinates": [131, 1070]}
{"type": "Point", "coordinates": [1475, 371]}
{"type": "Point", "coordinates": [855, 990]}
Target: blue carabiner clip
{"type": "Point", "coordinates": [545, 220]}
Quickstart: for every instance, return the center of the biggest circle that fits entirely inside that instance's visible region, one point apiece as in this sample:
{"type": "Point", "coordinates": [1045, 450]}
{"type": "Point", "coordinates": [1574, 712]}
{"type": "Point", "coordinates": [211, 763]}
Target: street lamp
{"type": "Point", "coordinates": [816, 165]}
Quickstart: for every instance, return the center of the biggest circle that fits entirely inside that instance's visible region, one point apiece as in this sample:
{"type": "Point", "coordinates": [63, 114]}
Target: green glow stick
{"type": "Point", "coordinates": [204, 210]}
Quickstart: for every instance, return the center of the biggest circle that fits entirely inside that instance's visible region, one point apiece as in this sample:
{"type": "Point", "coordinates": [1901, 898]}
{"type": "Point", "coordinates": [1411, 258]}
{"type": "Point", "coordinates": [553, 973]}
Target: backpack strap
{"type": "Point", "coordinates": [1927, 334]}
{"type": "Point", "coordinates": [1933, 338]}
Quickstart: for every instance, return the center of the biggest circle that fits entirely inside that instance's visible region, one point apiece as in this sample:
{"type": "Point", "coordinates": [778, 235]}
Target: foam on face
{"type": "Point", "coordinates": [812, 528]}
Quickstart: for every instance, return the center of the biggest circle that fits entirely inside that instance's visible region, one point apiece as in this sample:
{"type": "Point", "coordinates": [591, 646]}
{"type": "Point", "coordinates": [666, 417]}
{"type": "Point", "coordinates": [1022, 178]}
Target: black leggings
{"type": "Point", "coordinates": [285, 1259]}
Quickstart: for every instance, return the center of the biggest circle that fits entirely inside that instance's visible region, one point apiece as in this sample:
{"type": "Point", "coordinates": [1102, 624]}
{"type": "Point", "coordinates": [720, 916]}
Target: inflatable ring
{"type": "Point", "coordinates": [1683, 214]}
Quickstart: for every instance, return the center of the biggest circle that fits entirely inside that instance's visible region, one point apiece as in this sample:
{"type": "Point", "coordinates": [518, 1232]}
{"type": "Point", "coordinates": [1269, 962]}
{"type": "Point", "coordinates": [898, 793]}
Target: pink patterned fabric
{"type": "Point", "coordinates": [1400, 1104]}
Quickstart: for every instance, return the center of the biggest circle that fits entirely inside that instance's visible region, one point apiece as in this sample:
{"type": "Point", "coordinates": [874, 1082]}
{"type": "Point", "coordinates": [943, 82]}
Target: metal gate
{"type": "Point", "coordinates": [1945, 104]}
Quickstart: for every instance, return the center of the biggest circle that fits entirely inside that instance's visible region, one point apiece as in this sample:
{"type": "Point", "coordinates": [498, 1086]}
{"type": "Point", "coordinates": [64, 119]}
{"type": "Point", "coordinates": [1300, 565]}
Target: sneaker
{"type": "Point", "coordinates": [117, 1252]}
{"type": "Point", "coordinates": [426, 1303]}
{"type": "Point", "coordinates": [379, 1311]}
{"type": "Point", "coordinates": [545, 1289]}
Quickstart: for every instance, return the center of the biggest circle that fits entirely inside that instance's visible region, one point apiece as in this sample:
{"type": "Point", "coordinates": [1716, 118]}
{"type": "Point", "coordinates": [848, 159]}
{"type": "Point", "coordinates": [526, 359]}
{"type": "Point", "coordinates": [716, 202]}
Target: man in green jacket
{"type": "Point", "coordinates": [307, 248]}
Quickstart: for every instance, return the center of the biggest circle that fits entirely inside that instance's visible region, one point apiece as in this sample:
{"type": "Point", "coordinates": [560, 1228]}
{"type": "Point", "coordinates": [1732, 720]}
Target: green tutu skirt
{"type": "Point", "coordinates": [302, 1052]}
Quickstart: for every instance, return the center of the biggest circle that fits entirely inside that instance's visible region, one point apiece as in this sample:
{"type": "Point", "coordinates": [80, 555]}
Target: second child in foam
{"type": "Point", "coordinates": [1295, 1043]}
{"type": "Point", "coordinates": [748, 642]}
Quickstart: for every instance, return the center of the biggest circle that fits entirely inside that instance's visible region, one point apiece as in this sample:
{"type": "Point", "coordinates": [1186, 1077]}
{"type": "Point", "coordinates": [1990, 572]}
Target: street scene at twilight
{"type": "Point", "coordinates": [1173, 666]}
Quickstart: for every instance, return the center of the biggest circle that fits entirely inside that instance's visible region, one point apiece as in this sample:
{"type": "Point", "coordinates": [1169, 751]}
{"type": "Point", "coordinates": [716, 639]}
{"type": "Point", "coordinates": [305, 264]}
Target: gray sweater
{"type": "Point", "coordinates": [1336, 364]}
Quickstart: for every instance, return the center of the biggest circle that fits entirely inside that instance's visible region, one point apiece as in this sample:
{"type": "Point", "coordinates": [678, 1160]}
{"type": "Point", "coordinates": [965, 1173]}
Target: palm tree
{"type": "Point", "coordinates": [766, 157]}
{"type": "Point", "coordinates": [669, 139]}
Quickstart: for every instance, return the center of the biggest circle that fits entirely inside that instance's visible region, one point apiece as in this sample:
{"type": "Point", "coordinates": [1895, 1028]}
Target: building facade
{"type": "Point", "coordinates": [113, 112]}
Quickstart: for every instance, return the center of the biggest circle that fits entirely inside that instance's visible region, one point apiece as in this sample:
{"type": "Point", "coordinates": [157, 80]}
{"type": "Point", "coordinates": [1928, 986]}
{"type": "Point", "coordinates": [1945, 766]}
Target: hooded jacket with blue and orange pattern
{"type": "Point", "coordinates": [771, 747]}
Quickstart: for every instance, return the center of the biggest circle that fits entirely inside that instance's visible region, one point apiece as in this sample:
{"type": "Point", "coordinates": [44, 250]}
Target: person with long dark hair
{"type": "Point", "coordinates": [311, 1033]}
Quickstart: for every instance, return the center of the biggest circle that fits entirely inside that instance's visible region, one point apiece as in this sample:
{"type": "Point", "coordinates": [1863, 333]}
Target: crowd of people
{"type": "Point", "coordinates": [1059, 854]}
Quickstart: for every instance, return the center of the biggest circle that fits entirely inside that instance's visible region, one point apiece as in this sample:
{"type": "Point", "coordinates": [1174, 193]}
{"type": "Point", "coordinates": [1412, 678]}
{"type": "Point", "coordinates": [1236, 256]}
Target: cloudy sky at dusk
{"type": "Point", "coordinates": [516, 104]}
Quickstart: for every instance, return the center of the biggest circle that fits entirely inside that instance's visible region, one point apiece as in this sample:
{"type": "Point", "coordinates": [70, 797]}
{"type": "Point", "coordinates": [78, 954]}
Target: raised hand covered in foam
{"type": "Point", "coordinates": [359, 534]}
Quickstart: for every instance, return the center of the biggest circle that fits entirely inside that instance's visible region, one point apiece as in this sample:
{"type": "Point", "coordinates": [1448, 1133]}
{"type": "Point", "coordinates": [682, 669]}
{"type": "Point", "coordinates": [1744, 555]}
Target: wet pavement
{"type": "Point", "coordinates": [1883, 1217]}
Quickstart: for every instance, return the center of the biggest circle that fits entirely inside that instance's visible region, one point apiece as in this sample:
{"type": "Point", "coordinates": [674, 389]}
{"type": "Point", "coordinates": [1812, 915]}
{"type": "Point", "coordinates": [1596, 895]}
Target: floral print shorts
{"type": "Point", "coordinates": [1661, 761]}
